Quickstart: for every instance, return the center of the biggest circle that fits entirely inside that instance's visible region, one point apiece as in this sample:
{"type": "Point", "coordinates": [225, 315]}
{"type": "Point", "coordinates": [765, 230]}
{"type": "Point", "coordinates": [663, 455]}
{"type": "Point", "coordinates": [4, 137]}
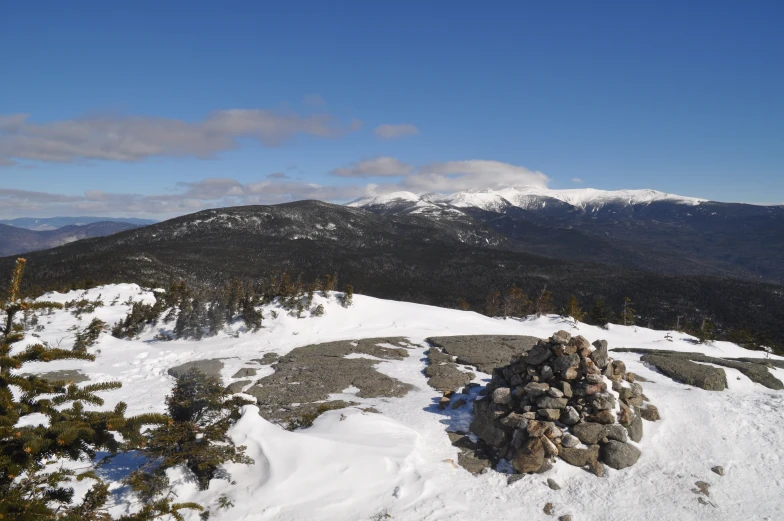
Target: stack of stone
{"type": "Point", "coordinates": [563, 399]}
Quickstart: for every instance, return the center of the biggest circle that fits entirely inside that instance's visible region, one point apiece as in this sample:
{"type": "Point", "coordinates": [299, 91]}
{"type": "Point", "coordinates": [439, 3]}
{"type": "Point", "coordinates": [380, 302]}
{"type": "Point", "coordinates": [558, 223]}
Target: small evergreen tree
{"type": "Point", "coordinates": [574, 310]}
{"type": "Point", "coordinates": [598, 315]}
{"type": "Point", "coordinates": [544, 304]}
{"type": "Point", "coordinates": [627, 313]}
{"type": "Point", "coordinates": [493, 304]}
{"type": "Point", "coordinates": [462, 304]}
{"type": "Point", "coordinates": [348, 295]}
{"type": "Point", "coordinates": [89, 335]}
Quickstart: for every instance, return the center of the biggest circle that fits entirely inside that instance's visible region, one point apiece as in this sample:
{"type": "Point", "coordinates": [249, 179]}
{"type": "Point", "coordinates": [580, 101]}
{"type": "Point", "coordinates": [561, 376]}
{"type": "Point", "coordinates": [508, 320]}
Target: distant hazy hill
{"type": "Point", "coordinates": [14, 241]}
{"type": "Point", "coordinates": [52, 223]}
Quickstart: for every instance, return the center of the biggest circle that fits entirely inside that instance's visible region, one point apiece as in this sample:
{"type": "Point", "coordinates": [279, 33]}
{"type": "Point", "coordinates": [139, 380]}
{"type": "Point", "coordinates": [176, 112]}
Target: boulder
{"type": "Point", "coordinates": [530, 457]}
{"type": "Point", "coordinates": [569, 441]}
{"type": "Point", "coordinates": [550, 414]}
{"type": "Point", "coordinates": [561, 337]}
{"type": "Point", "coordinates": [553, 484]}
{"type": "Point", "coordinates": [603, 416]}
{"type": "Point", "coordinates": [485, 426]}
{"type": "Point", "coordinates": [600, 356]}
{"type": "Point", "coordinates": [502, 395]}
{"type": "Point", "coordinates": [570, 416]}
{"type": "Point", "coordinates": [590, 433]}
{"type": "Point", "coordinates": [635, 428]}
{"type": "Point", "coordinates": [538, 354]}
{"type": "Point", "coordinates": [548, 402]}
{"type": "Point", "coordinates": [603, 401]}
{"type": "Point", "coordinates": [563, 363]}
{"type": "Point", "coordinates": [617, 432]}
{"type": "Point", "coordinates": [579, 457]}
{"type": "Point", "coordinates": [534, 389]}
{"type": "Point", "coordinates": [619, 455]}
{"type": "Point", "coordinates": [650, 413]}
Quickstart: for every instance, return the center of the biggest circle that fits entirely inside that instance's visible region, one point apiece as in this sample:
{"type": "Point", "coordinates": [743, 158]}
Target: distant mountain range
{"type": "Point", "coordinates": [451, 252]}
{"type": "Point", "coordinates": [640, 229]}
{"type": "Point", "coordinates": [53, 223]}
{"type": "Point", "coordinates": [14, 241]}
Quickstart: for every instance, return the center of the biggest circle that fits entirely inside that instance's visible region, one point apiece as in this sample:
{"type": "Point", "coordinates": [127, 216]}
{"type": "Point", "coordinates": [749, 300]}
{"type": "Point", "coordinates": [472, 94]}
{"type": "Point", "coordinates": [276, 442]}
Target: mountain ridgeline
{"type": "Point", "coordinates": [15, 240]}
{"type": "Point", "coordinates": [448, 256]}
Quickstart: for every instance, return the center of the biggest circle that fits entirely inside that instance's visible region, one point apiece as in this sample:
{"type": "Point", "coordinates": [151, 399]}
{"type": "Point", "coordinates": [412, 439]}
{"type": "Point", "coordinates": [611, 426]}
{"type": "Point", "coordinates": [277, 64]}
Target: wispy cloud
{"type": "Point", "coordinates": [133, 138]}
{"type": "Point", "coordinates": [577, 180]}
{"type": "Point", "coordinates": [273, 188]}
{"type": "Point", "coordinates": [388, 131]}
{"type": "Point", "coordinates": [375, 167]}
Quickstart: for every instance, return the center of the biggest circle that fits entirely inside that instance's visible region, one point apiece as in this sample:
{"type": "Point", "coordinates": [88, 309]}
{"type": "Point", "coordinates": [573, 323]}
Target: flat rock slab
{"type": "Point", "coordinates": [245, 372]}
{"type": "Point", "coordinates": [443, 374]}
{"type": "Point", "coordinates": [68, 375]}
{"type": "Point", "coordinates": [684, 370]}
{"type": "Point", "coordinates": [312, 373]}
{"type": "Point", "coordinates": [236, 387]}
{"type": "Point", "coordinates": [484, 352]}
{"type": "Point", "coordinates": [755, 369]}
{"type": "Point", "coordinates": [208, 367]}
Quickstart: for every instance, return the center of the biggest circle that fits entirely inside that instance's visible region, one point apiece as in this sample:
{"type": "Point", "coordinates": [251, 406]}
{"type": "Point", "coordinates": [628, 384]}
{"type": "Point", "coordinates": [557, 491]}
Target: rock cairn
{"type": "Point", "coordinates": [565, 399]}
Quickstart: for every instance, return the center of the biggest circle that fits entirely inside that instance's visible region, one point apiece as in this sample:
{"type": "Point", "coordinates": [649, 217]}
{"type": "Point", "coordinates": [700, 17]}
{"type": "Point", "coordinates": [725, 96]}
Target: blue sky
{"type": "Point", "coordinates": [159, 108]}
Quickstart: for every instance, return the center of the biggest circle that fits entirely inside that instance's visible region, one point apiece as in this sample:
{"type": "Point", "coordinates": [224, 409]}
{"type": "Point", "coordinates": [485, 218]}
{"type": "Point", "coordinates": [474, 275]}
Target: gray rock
{"type": "Point", "coordinates": [635, 429]}
{"type": "Point", "coordinates": [566, 388]}
{"type": "Point", "coordinates": [245, 372]}
{"type": "Point", "coordinates": [555, 392]}
{"type": "Point", "coordinates": [534, 389]}
{"type": "Point", "coordinates": [538, 355]}
{"type": "Point", "coordinates": [553, 484]}
{"type": "Point", "coordinates": [718, 469]}
{"type": "Point", "coordinates": [470, 461]}
{"type": "Point", "coordinates": [485, 426]}
{"type": "Point", "coordinates": [485, 352]}
{"type": "Point", "coordinates": [446, 377]}
{"type": "Point", "coordinates": [569, 441]}
{"type": "Point", "coordinates": [311, 373]}
{"type": "Point", "coordinates": [548, 402]}
{"type": "Point", "coordinates": [570, 416]}
{"type": "Point", "coordinates": [530, 457]}
{"type": "Point", "coordinates": [579, 457]}
{"type": "Point", "coordinates": [546, 373]}
{"type": "Point", "coordinates": [619, 455]}
{"type": "Point", "coordinates": [603, 401]}
{"type": "Point", "coordinates": [561, 337]}
{"type": "Point", "coordinates": [502, 395]}
{"type": "Point", "coordinates": [548, 509]}
{"type": "Point", "coordinates": [550, 414]}
{"type": "Point", "coordinates": [458, 403]}
{"type": "Point", "coordinates": [236, 387]}
{"type": "Point", "coordinates": [600, 356]}
{"type": "Point", "coordinates": [617, 432]}
{"type": "Point", "coordinates": [207, 367]}
{"type": "Point", "coordinates": [685, 371]}
{"type": "Point", "coordinates": [562, 363]}
{"type": "Point", "coordinates": [565, 517]}
{"type": "Point", "coordinates": [589, 433]}
{"type": "Point", "coordinates": [650, 413]}
{"type": "Point", "coordinates": [65, 375]}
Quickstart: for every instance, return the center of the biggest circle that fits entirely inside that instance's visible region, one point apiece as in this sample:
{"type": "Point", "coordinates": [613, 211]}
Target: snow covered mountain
{"type": "Point", "coordinates": [391, 457]}
{"type": "Point", "coordinates": [528, 198]}
{"type": "Point", "coordinates": [643, 229]}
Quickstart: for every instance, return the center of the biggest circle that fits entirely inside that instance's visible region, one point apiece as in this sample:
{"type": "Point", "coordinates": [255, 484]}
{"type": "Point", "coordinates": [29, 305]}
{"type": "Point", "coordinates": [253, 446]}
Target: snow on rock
{"type": "Point", "coordinates": [356, 465]}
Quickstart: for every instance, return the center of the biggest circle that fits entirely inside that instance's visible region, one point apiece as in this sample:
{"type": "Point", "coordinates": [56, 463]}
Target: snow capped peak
{"type": "Point", "coordinates": [386, 199]}
{"type": "Point", "coordinates": [530, 197]}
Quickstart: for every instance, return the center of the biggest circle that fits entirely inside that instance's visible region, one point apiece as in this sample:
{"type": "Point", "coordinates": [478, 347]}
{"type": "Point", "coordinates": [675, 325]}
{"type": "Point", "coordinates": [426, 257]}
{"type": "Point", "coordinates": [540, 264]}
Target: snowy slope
{"type": "Point", "coordinates": [353, 465]}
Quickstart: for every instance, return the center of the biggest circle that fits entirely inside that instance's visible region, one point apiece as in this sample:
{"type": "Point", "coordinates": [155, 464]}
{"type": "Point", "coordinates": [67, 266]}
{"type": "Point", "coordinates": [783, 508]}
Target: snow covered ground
{"type": "Point", "coordinates": [399, 465]}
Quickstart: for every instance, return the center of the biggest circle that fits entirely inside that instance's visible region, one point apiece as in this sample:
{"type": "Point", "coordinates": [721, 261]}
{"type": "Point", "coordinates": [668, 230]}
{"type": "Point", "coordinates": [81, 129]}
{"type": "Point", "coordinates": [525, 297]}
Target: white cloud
{"type": "Point", "coordinates": [577, 180]}
{"type": "Point", "coordinates": [388, 131]}
{"type": "Point", "coordinates": [379, 166]}
{"type": "Point", "coordinates": [272, 189]}
{"type": "Point", "coordinates": [133, 138]}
